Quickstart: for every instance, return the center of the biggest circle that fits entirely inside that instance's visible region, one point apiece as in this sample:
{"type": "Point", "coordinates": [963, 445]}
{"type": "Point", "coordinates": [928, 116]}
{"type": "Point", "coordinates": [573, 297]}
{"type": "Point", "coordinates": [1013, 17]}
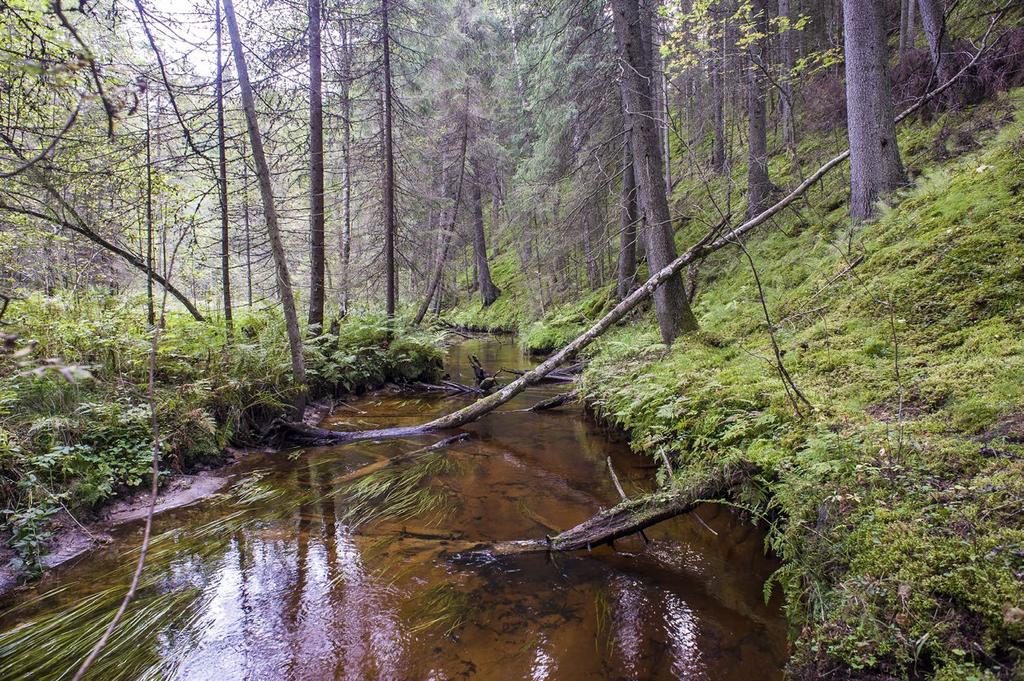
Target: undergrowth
{"type": "Point", "coordinates": [75, 438]}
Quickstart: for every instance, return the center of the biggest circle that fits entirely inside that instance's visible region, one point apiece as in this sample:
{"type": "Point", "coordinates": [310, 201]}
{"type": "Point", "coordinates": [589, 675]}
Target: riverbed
{"type": "Point", "coordinates": [297, 570]}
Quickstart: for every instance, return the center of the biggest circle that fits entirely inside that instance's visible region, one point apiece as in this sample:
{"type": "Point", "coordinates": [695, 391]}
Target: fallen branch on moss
{"type": "Point", "coordinates": [631, 516]}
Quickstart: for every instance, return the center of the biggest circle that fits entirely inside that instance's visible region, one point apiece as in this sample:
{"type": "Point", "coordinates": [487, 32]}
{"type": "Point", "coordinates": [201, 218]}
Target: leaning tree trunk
{"type": "Point", "coordinates": [626, 277]}
{"type": "Point", "coordinates": [939, 44]}
{"type": "Point", "coordinates": [875, 165]}
{"type": "Point", "coordinates": [488, 291]}
{"type": "Point", "coordinates": [449, 228]}
{"type": "Point", "coordinates": [317, 264]}
{"type": "Point", "coordinates": [284, 282]}
{"type": "Point", "coordinates": [671, 306]}
{"type": "Point", "coordinates": [759, 185]}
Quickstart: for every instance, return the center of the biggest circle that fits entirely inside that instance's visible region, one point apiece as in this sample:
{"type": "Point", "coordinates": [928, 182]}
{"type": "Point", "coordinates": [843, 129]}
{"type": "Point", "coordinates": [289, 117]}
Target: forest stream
{"type": "Point", "coordinates": [296, 573]}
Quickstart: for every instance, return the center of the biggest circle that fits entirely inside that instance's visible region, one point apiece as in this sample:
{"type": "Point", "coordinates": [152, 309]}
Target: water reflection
{"type": "Point", "coordinates": [272, 581]}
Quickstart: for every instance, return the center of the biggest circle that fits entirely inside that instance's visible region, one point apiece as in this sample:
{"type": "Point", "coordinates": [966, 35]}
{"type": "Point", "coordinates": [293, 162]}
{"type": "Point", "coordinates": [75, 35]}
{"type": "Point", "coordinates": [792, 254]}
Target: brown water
{"type": "Point", "coordinates": [294, 574]}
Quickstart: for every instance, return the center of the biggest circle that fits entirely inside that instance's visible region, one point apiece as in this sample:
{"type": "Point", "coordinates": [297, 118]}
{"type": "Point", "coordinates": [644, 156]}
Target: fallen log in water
{"type": "Point", "coordinates": [553, 402]}
{"type": "Point", "coordinates": [629, 517]}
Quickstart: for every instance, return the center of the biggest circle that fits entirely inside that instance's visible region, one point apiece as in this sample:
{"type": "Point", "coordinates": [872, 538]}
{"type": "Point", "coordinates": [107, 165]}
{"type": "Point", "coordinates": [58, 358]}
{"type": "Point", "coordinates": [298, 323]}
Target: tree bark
{"type": "Point", "coordinates": [673, 311]}
{"type": "Point", "coordinates": [875, 165]}
{"type": "Point", "coordinates": [284, 282]}
{"type": "Point", "coordinates": [786, 58]}
{"type": "Point", "coordinates": [718, 156]}
{"type": "Point", "coordinates": [346, 160]}
{"type": "Point", "coordinates": [759, 185]}
{"type": "Point", "coordinates": [222, 183]}
{"type": "Point", "coordinates": [488, 291]}
{"type": "Point", "coordinates": [626, 276]}
{"type": "Point", "coordinates": [940, 47]}
{"type": "Point", "coordinates": [908, 27]}
{"type": "Point", "coordinates": [389, 169]}
{"type": "Point", "coordinates": [317, 264]}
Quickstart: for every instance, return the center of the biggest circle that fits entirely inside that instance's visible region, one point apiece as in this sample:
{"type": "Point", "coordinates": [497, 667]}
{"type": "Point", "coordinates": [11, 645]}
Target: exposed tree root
{"type": "Point", "coordinates": [630, 517]}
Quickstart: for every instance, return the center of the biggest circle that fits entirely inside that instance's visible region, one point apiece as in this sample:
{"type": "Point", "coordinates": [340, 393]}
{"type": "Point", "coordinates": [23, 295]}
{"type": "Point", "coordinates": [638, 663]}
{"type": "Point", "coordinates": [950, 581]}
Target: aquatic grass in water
{"type": "Point", "coordinates": [443, 607]}
{"type": "Point", "coordinates": [398, 493]}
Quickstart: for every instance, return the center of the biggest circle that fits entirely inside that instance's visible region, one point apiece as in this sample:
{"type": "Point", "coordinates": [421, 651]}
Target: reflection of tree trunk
{"type": "Point", "coordinates": [673, 311]}
{"type": "Point", "coordinates": [284, 282]}
{"type": "Point", "coordinates": [488, 291]}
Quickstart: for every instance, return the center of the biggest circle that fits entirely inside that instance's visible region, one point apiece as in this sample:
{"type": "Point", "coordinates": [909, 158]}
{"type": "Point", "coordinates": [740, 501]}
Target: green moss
{"type": "Point", "coordinates": [896, 503]}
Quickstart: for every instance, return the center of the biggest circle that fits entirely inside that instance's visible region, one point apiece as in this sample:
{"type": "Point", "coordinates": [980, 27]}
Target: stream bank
{"type": "Point", "coordinates": [291, 572]}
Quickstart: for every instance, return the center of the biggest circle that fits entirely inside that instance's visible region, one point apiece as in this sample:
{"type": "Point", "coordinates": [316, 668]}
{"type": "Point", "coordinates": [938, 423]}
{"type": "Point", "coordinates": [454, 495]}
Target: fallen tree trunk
{"type": "Point", "coordinates": [632, 516]}
{"type": "Point", "coordinates": [709, 244]}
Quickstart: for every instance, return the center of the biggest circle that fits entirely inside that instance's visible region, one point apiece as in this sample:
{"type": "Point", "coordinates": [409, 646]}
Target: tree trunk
{"type": "Point", "coordinates": [939, 44]}
{"type": "Point", "coordinates": [317, 263]}
{"type": "Point", "coordinates": [786, 58]}
{"type": "Point", "coordinates": [222, 170]}
{"type": "Point", "coordinates": [346, 160]}
{"type": "Point", "coordinates": [488, 291]}
{"type": "Point", "coordinates": [284, 282]}
{"type": "Point", "coordinates": [908, 27]}
{"type": "Point", "coordinates": [718, 157]}
{"type": "Point", "coordinates": [449, 229]}
{"type": "Point", "coordinates": [875, 165]}
{"type": "Point", "coordinates": [389, 169]}
{"type": "Point", "coordinates": [626, 275]}
{"type": "Point", "coordinates": [150, 303]}
{"type": "Point", "coordinates": [589, 252]}
{"type": "Point", "coordinates": [759, 185]}
{"type": "Point", "coordinates": [672, 309]}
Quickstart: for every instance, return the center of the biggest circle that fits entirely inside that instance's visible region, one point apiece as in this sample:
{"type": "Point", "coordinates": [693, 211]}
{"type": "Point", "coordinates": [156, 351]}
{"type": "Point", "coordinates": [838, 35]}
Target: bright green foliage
{"type": "Point", "coordinates": [568, 321]}
{"type": "Point", "coordinates": [896, 505]}
{"type": "Point", "coordinates": [79, 443]}
{"type": "Point", "coordinates": [507, 314]}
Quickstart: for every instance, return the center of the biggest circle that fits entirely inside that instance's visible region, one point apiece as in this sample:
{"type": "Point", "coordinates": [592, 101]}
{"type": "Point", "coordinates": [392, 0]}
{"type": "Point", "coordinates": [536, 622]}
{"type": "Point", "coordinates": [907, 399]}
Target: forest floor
{"type": "Point", "coordinates": [895, 497]}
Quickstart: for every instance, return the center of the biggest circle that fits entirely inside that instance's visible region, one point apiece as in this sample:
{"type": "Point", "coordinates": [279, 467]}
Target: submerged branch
{"type": "Point", "coordinates": [631, 516]}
